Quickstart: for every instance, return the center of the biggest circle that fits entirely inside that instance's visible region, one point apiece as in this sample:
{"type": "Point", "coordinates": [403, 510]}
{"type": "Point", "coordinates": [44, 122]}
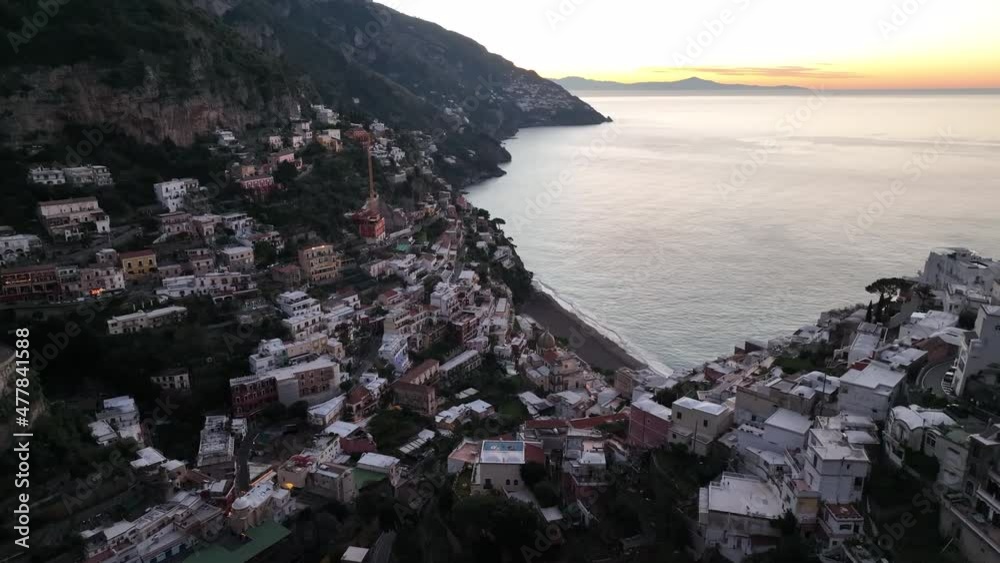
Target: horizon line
{"type": "Point", "coordinates": [779, 86]}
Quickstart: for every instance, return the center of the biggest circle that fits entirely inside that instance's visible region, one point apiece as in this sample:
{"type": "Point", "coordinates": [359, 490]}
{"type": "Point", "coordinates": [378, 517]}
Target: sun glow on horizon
{"type": "Point", "coordinates": [852, 44]}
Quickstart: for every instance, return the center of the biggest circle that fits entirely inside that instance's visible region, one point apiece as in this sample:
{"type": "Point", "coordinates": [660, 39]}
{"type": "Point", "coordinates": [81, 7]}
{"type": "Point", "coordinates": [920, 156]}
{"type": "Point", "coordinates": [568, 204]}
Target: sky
{"type": "Point", "coordinates": [842, 44]}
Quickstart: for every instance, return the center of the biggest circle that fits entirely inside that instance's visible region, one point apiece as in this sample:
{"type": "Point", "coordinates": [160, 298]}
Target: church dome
{"type": "Point", "coordinates": [546, 341]}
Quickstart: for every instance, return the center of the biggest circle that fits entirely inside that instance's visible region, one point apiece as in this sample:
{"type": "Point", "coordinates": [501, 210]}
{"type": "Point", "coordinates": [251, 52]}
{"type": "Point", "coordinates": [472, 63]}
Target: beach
{"type": "Point", "coordinates": [587, 342]}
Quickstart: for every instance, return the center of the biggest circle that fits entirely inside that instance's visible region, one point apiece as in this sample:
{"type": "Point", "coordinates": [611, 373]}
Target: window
{"type": "Point", "coordinates": [704, 423]}
{"type": "Point", "coordinates": [515, 482]}
{"type": "Point", "coordinates": [508, 481]}
{"type": "Point", "coordinates": [679, 415]}
{"type": "Point", "coordinates": [859, 482]}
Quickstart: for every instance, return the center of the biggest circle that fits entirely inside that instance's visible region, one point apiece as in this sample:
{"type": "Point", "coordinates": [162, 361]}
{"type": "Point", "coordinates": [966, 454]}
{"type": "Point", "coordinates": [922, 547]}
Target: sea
{"type": "Point", "coordinates": [693, 222]}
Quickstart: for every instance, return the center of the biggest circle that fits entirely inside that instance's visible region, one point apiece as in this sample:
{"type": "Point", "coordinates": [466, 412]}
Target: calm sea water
{"type": "Point", "coordinates": [693, 222]}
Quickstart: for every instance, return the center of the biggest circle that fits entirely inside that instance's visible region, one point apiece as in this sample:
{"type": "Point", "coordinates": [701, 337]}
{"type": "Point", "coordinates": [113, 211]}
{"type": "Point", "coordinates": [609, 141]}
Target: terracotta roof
{"type": "Point", "coordinates": [416, 372]}
{"type": "Point", "coordinates": [404, 386]}
{"type": "Point", "coordinates": [136, 253]}
{"type": "Point", "coordinates": [595, 421]}
{"type": "Point", "coordinates": [534, 453]}
{"type": "Point", "coordinates": [358, 395]}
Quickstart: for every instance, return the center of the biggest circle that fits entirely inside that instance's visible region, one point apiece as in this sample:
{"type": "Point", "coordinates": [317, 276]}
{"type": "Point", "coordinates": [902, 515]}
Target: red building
{"type": "Point", "coordinates": [371, 225]}
{"type": "Point", "coordinates": [258, 186]}
{"type": "Point", "coordinates": [252, 394]}
{"type": "Point", "coordinates": [648, 424]}
{"type": "Point", "coordinates": [360, 402]}
{"type": "Point", "coordinates": [30, 283]}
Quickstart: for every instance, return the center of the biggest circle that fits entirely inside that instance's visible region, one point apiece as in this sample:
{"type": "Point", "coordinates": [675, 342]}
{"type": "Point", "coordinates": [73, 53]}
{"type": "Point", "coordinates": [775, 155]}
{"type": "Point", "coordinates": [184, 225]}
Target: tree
{"type": "Point", "coordinates": [492, 529]}
{"type": "Point", "coordinates": [666, 397]}
{"type": "Point", "coordinates": [533, 473]}
{"type": "Point", "coordinates": [274, 411]}
{"type": "Point", "coordinates": [546, 494]}
{"type": "Point", "coordinates": [285, 173]}
{"type": "Point", "coordinates": [889, 287]}
{"type": "Point", "coordinates": [967, 320]}
{"type": "Point", "coordinates": [298, 410]}
{"type": "Point", "coordinates": [265, 254]}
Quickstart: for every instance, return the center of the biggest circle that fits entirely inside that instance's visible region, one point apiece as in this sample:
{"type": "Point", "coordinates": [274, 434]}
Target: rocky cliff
{"type": "Point", "coordinates": [171, 69]}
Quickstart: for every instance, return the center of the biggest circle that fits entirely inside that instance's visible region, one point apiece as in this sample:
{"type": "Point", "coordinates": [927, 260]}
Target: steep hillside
{"type": "Point", "coordinates": [171, 69]}
{"type": "Point", "coordinates": [408, 71]}
{"type": "Point", "coordinates": [154, 69]}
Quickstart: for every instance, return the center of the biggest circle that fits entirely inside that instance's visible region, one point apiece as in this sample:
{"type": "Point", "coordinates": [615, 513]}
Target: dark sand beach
{"type": "Point", "coordinates": [595, 348]}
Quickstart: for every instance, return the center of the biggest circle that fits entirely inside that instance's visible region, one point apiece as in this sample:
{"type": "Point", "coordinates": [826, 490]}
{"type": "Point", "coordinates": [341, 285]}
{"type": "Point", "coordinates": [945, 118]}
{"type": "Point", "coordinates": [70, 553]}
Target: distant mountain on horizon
{"type": "Point", "coordinates": [692, 83]}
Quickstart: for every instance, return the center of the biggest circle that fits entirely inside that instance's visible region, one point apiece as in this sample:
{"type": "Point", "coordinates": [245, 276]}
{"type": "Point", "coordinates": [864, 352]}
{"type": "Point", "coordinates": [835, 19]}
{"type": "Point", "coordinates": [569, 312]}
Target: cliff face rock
{"type": "Point", "coordinates": [53, 99]}
{"type": "Point", "coordinates": [160, 69]}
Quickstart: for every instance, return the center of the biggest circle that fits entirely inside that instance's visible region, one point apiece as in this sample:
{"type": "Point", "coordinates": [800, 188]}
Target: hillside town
{"type": "Point", "coordinates": [396, 356]}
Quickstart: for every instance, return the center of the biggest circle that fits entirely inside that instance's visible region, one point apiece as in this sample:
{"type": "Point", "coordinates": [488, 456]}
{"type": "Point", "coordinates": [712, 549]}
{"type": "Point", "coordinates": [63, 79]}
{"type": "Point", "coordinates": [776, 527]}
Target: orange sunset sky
{"type": "Point", "coordinates": [848, 44]}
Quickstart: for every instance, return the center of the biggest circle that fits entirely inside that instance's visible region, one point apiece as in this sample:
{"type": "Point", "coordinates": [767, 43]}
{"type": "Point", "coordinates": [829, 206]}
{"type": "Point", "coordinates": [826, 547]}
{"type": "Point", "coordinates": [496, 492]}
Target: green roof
{"type": "Point", "coordinates": [262, 538]}
{"type": "Point", "coordinates": [363, 477]}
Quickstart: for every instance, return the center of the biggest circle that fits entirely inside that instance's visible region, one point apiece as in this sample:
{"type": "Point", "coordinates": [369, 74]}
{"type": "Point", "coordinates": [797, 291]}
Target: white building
{"type": "Point", "coordinates": [225, 137]}
{"type": "Point", "coordinates": [395, 350]}
{"type": "Point", "coordinates": [17, 247]}
{"type": "Point", "coordinates": [173, 380]}
{"type": "Point", "coordinates": [146, 320]}
{"type": "Point", "coordinates": [164, 532]}
{"type": "Point", "coordinates": [171, 193]}
{"type": "Point", "coordinates": [738, 515]}
{"type": "Point", "coordinates": [499, 466]}
{"type": "Point", "coordinates": [121, 416]}
{"type": "Point", "coordinates": [783, 430]}
{"type": "Point", "coordinates": [237, 258]}
{"type": "Point", "coordinates": [294, 303]}
{"type": "Point", "coordinates": [908, 428]}
{"type": "Point", "coordinates": [216, 449]}
{"type": "Point", "coordinates": [88, 175]}
{"type": "Point", "coordinates": [835, 468]}
{"type": "Point", "coordinates": [923, 325]}
{"type": "Point", "coordinates": [69, 219]}
{"type": "Point", "coordinates": [383, 464]}
{"type": "Point", "coordinates": [959, 266]}
{"type": "Point", "coordinates": [696, 424]}
{"type": "Point", "coordinates": [214, 284]}
{"type": "Point", "coordinates": [46, 176]}
{"type": "Point", "coordinates": [870, 391]}
{"type": "Point", "coordinates": [980, 355]}
{"type": "Point", "coordinates": [263, 503]}
{"type": "Point", "coordinates": [326, 413]}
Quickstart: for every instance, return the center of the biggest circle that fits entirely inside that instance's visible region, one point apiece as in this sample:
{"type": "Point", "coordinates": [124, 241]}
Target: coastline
{"type": "Point", "coordinates": [595, 348]}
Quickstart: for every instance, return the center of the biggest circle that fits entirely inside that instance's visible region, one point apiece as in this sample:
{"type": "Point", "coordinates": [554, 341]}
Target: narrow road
{"type": "Point", "coordinates": [367, 359]}
{"type": "Point", "coordinates": [932, 377]}
{"type": "Point", "coordinates": [383, 547]}
{"type": "Point", "coordinates": [242, 461]}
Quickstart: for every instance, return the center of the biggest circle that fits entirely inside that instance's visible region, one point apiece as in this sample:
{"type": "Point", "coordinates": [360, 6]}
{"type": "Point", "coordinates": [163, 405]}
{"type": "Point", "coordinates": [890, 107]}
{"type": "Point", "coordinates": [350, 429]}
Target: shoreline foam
{"type": "Point", "coordinates": [595, 344]}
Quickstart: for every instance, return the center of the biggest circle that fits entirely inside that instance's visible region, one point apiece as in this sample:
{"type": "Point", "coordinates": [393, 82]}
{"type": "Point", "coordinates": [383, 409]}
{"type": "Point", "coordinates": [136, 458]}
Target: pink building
{"type": "Point", "coordinates": [648, 424]}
